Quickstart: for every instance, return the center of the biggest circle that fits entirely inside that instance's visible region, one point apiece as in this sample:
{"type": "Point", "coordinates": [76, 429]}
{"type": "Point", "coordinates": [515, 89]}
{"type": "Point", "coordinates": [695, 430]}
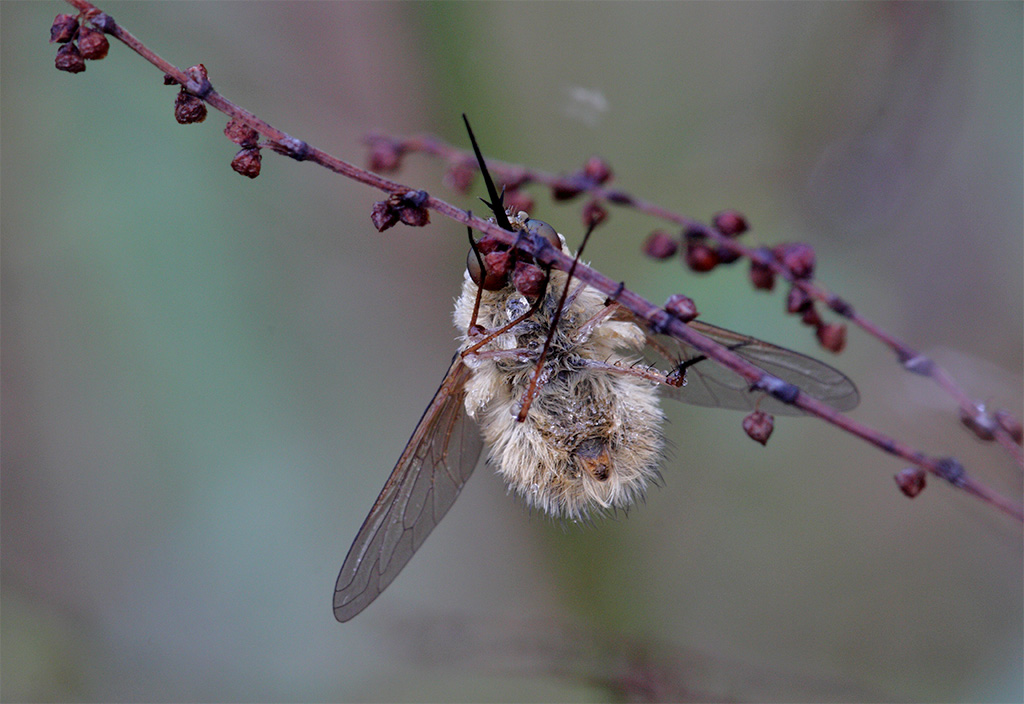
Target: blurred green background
{"type": "Point", "coordinates": [207, 379]}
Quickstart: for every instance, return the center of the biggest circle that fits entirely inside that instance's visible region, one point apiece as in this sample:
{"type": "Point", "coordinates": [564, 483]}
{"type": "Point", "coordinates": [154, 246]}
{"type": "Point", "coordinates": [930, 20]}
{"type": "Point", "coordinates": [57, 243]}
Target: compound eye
{"type": "Point", "coordinates": [539, 227]}
{"type": "Point", "coordinates": [497, 265]}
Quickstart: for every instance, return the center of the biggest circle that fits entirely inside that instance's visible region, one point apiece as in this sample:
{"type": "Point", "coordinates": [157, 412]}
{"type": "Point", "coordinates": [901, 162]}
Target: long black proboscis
{"type": "Point", "coordinates": [497, 204]}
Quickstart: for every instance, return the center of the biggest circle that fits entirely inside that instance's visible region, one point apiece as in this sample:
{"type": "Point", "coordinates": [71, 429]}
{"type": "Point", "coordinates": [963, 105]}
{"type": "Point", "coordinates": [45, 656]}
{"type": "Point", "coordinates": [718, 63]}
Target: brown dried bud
{"type": "Point", "coordinates": [459, 176]}
{"type": "Point", "coordinates": [726, 254]}
{"type": "Point", "coordinates": [188, 108]}
{"type": "Point", "coordinates": [63, 28]}
{"type": "Point", "coordinates": [979, 422]}
{"type": "Point", "coordinates": [594, 214]}
{"type": "Point", "coordinates": [730, 223]}
{"type": "Point", "coordinates": [762, 276]}
{"type": "Point", "coordinates": [759, 426]}
{"type": "Point", "coordinates": [700, 257]}
{"type": "Point", "coordinates": [1011, 425]}
{"type": "Point", "coordinates": [240, 133]}
{"type": "Point", "coordinates": [797, 257]}
{"type": "Point", "coordinates": [415, 216]}
{"type": "Point", "coordinates": [200, 79]}
{"type": "Point", "coordinates": [528, 279]}
{"type": "Point", "coordinates": [797, 300]}
{"type": "Point", "coordinates": [383, 215]}
{"type": "Point", "coordinates": [247, 162]}
{"type": "Point", "coordinates": [832, 336]}
{"type": "Point", "coordinates": [597, 170]}
{"type": "Point", "coordinates": [69, 59]}
{"type": "Point", "coordinates": [566, 188]}
{"type": "Point", "coordinates": [385, 156]}
{"type": "Point", "coordinates": [811, 318]}
{"type": "Point", "coordinates": [92, 44]}
{"type": "Point", "coordinates": [911, 481]}
{"type": "Point", "coordinates": [660, 245]}
{"type": "Point", "coordinates": [517, 200]}
{"type": "Point", "coordinates": [681, 307]}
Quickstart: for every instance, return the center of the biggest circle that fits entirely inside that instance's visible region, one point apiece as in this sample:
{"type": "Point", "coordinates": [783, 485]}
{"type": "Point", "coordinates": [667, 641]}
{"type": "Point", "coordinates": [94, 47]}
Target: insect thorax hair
{"type": "Point", "coordinates": [592, 439]}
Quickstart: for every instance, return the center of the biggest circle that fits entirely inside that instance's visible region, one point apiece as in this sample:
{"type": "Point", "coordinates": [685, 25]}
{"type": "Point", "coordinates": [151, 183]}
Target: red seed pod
{"type": "Point", "coordinates": [92, 44]}
{"type": "Point", "coordinates": [700, 257]}
{"type": "Point", "coordinates": [726, 255]}
{"type": "Point", "coordinates": [797, 257]}
{"type": "Point", "coordinates": [241, 133]}
{"type": "Point", "coordinates": [415, 216]}
{"type": "Point", "coordinates": [597, 169]}
{"type": "Point", "coordinates": [681, 307]}
{"type": "Point", "coordinates": [385, 156]}
{"type": "Point", "coordinates": [1011, 425]}
{"type": "Point", "coordinates": [247, 162]}
{"type": "Point", "coordinates": [911, 481]}
{"type": "Point", "coordinates": [730, 223]}
{"type": "Point", "coordinates": [69, 59]}
{"type": "Point", "coordinates": [188, 108]}
{"type": "Point", "coordinates": [660, 245]}
{"type": "Point", "coordinates": [63, 28]}
{"type": "Point", "coordinates": [759, 426]}
{"type": "Point", "coordinates": [528, 279]}
{"type": "Point", "coordinates": [832, 336]}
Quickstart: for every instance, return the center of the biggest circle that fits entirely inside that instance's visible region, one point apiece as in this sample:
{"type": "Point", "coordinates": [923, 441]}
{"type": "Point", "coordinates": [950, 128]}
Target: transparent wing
{"type": "Point", "coordinates": [433, 468]}
{"type": "Point", "coordinates": [710, 384]}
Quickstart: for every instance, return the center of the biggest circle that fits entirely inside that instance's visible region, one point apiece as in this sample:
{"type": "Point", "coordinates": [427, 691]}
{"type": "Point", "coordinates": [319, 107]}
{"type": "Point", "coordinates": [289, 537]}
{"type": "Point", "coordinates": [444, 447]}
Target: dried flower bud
{"type": "Point", "coordinates": [797, 257]}
{"type": "Point", "coordinates": [597, 170]}
{"type": "Point", "coordinates": [730, 223]}
{"type": "Point", "coordinates": [681, 307]}
{"type": "Point", "coordinates": [566, 188]}
{"type": "Point", "coordinates": [200, 79]}
{"type": "Point", "coordinates": [660, 245]}
{"type": "Point", "coordinates": [517, 200]}
{"type": "Point", "coordinates": [69, 59]}
{"type": "Point", "coordinates": [759, 426]}
{"type": "Point", "coordinates": [797, 300]}
{"type": "Point", "coordinates": [528, 279]}
{"type": "Point", "coordinates": [832, 336]}
{"type": "Point", "coordinates": [762, 276]}
{"type": "Point", "coordinates": [726, 254]}
{"type": "Point", "coordinates": [63, 28]}
{"type": "Point", "coordinates": [810, 317]}
{"type": "Point", "coordinates": [415, 215]}
{"type": "Point", "coordinates": [700, 257]}
{"type": "Point", "coordinates": [459, 176]}
{"type": "Point", "coordinates": [92, 44]}
{"type": "Point", "coordinates": [385, 156]}
{"type": "Point", "coordinates": [911, 481]}
{"type": "Point", "coordinates": [383, 215]}
{"type": "Point", "coordinates": [188, 108]}
{"type": "Point", "coordinates": [247, 162]}
{"type": "Point", "coordinates": [240, 133]}
{"type": "Point", "coordinates": [1011, 425]}
{"type": "Point", "coordinates": [594, 214]}
{"type": "Point", "coordinates": [979, 422]}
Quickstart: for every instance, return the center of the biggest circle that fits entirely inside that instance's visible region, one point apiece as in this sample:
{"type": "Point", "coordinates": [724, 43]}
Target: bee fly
{"type": "Point", "coordinates": [547, 375]}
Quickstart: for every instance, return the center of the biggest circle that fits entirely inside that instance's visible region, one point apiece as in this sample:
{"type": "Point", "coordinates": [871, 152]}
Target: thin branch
{"type": "Point", "coordinates": [196, 83]}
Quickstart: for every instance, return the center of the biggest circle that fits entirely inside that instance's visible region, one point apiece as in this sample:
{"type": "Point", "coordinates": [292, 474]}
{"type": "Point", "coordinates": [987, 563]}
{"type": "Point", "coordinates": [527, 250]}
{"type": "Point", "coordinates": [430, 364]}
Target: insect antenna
{"type": "Point", "coordinates": [497, 204]}
{"type": "Point", "coordinates": [532, 391]}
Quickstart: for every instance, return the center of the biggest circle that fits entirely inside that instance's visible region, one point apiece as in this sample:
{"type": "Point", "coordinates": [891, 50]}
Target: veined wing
{"type": "Point", "coordinates": [710, 384]}
{"type": "Point", "coordinates": [433, 468]}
